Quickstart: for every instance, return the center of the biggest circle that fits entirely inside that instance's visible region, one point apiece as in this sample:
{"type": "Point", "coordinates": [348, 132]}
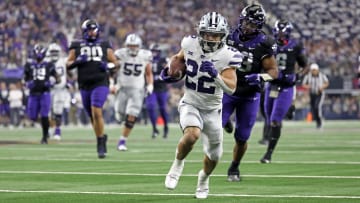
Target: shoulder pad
{"type": "Point", "coordinates": [75, 44]}
{"type": "Point", "coordinates": [188, 41]}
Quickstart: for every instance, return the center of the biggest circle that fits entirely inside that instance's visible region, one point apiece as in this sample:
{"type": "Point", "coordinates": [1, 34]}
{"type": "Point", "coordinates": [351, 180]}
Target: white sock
{"type": "Point", "coordinates": [179, 162]}
{"type": "Point", "coordinates": [203, 175]}
{"type": "Point", "coordinates": [122, 137]}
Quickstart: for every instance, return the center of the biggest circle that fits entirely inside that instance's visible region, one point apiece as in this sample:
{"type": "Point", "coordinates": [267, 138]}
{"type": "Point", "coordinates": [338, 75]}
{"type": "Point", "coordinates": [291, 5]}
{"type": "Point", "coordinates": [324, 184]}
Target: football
{"type": "Point", "coordinates": [177, 67]}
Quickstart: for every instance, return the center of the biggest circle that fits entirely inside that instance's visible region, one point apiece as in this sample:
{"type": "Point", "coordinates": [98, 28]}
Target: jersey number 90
{"type": "Point", "coordinates": [94, 53]}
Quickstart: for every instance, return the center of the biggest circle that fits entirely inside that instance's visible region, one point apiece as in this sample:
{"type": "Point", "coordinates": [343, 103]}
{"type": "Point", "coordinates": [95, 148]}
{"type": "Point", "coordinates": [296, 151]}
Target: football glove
{"type": "Point", "coordinates": [254, 79]}
{"type": "Point", "coordinates": [30, 84]}
{"type": "Point", "coordinates": [166, 78]}
{"type": "Point", "coordinates": [208, 67]}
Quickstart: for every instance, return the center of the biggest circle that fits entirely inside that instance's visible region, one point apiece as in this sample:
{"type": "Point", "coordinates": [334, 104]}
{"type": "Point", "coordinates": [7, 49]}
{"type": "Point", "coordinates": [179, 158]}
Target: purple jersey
{"type": "Point", "coordinates": [253, 50]}
{"type": "Point", "coordinates": [40, 74]}
{"type": "Point", "coordinates": [90, 75]}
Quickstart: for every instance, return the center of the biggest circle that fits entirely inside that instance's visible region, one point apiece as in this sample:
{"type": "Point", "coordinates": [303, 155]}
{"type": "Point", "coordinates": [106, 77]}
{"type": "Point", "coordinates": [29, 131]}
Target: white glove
{"type": "Point", "coordinates": [149, 88]}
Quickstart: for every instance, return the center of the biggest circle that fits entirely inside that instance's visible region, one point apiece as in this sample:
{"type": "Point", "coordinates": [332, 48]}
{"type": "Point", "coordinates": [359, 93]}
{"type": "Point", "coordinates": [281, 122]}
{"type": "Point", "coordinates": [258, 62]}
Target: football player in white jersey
{"type": "Point", "coordinates": [135, 62]}
{"type": "Point", "coordinates": [210, 71]}
{"type": "Point", "coordinates": [59, 93]}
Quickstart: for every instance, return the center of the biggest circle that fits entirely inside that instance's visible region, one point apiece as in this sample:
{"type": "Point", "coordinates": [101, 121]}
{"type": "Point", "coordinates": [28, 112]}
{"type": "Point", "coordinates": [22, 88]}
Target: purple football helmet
{"type": "Point", "coordinates": [282, 31]}
{"type": "Point", "coordinates": [39, 52]}
{"type": "Point", "coordinates": [251, 19]}
{"type": "Point", "coordinates": [90, 30]}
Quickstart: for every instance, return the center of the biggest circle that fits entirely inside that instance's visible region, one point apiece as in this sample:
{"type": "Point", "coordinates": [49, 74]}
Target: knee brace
{"type": "Point", "coordinates": [129, 123]}
{"type": "Point", "coordinates": [57, 119]}
{"type": "Point", "coordinates": [214, 151]}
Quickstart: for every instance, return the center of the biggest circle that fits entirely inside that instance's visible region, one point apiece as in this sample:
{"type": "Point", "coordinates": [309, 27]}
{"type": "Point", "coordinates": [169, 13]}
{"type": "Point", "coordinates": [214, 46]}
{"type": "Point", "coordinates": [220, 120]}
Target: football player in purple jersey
{"type": "Point", "coordinates": [39, 77]}
{"type": "Point", "coordinates": [90, 55]}
{"type": "Point", "coordinates": [258, 66]}
{"type": "Point", "coordinates": [279, 93]}
{"type": "Point", "coordinates": [159, 97]}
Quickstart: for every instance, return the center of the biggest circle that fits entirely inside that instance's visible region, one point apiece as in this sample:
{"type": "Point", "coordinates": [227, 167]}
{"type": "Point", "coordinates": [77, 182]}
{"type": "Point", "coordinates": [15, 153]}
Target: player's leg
{"type": "Point", "coordinates": [57, 109]}
{"type": "Point", "coordinates": [266, 105]}
{"type": "Point", "coordinates": [246, 112]}
{"type": "Point", "coordinates": [45, 106]}
{"type": "Point", "coordinates": [228, 106]}
{"type": "Point", "coordinates": [191, 123]}
{"type": "Point", "coordinates": [151, 108]}
{"type": "Point", "coordinates": [280, 108]}
{"type": "Point", "coordinates": [133, 109]}
{"type": "Point", "coordinates": [212, 139]}
{"type": "Point", "coordinates": [98, 98]}
{"type": "Point", "coordinates": [33, 108]}
{"type": "Point", "coordinates": [291, 111]}
{"type": "Point", "coordinates": [162, 98]}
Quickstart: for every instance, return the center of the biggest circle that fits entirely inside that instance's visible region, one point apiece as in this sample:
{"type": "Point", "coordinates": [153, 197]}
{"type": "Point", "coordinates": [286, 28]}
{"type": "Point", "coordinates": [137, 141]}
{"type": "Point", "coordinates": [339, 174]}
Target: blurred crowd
{"type": "Point", "coordinates": [330, 29]}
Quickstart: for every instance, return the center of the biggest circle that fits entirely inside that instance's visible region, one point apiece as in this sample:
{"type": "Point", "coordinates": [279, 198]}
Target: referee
{"type": "Point", "coordinates": [316, 82]}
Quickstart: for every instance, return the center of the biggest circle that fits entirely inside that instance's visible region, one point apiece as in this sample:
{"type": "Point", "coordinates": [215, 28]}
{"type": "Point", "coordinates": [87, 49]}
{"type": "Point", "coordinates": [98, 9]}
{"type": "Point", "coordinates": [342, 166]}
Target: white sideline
{"type": "Point", "coordinates": [157, 174]}
{"type": "Point", "coordinates": [180, 194]}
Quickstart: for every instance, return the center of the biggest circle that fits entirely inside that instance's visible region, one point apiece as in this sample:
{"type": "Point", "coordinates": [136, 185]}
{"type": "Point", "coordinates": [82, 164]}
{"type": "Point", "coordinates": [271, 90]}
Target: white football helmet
{"type": "Point", "coordinates": [133, 43]}
{"type": "Point", "coordinates": [213, 23]}
{"type": "Point", "coordinates": [54, 51]}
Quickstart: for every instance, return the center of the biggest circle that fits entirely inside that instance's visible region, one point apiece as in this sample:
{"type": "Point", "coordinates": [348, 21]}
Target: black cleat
{"type": "Point", "coordinates": [266, 159]}
{"type": "Point", "coordinates": [291, 112]}
{"type": "Point", "coordinates": [155, 133]}
{"type": "Point", "coordinates": [263, 142]}
{"type": "Point", "coordinates": [101, 146]}
{"type": "Point", "coordinates": [44, 141]}
{"type": "Point", "coordinates": [229, 127]}
{"type": "Point", "coordinates": [166, 131]}
{"type": "Point", "coordinates": [233, 175]}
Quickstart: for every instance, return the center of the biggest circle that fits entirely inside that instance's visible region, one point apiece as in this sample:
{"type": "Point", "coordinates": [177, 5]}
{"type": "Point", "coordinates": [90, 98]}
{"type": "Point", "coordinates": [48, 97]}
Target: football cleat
{"type": "Point", "coordinates": [101, 146]}
{"type": "Point", "coordinates": [229, 127]}
{"type": "Point", "coordinates": [122, 145]}
{"type": "Point", "coordinates": [263, 142]}
{"type": "Point", "coordinates": [166, 131]}
{"type": "Point", "coordinates": [155, 133]}
{"type": "Point", "coordinates": [202, 189]}
{"type": "Point", "coordinates": [233, 175]}
{"type": "Point", "coordinates": [172, 178]}
{"type": "Point", "coordinates": [44, 141]}
{"type": "Point", "coordinates": [57, 137]}
{"type": "Point", "coordinates": [266, 159]}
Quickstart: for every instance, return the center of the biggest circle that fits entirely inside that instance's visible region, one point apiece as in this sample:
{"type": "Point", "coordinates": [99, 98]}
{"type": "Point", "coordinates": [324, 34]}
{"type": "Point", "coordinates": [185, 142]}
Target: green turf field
{"type": "Point", "coordinates": [308, 166]}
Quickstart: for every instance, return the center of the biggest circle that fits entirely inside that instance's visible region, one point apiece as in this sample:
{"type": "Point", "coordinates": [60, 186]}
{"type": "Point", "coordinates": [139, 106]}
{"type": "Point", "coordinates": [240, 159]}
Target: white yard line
{"type": "Point", "coordinates": [157, 174]}
{"type": "Point", "coordinates": [156, 150]}
{"type": "Point", "coordinates": [180, 194]}
{"type": "Point", "coordinates": [79, 159]}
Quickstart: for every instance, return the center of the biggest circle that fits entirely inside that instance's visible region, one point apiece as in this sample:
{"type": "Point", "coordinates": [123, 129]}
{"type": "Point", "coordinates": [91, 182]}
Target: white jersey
{"type": "Point", "coordinates": [200, 89]}
{"type": "Point", "coordinates": [60, 68]}
{"type": "Point", "coordinates": [132, 69]}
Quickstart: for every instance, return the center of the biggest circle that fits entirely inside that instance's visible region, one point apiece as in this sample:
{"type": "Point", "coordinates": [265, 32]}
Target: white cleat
{"type": "Point", "coordinates": [172, 178]}
{"type": "Point", "coordinates": [122, 148]}
{"type": "Point", "coordinates": [57, 137]}
{"type": "Point", "coordinates": [202, 189]}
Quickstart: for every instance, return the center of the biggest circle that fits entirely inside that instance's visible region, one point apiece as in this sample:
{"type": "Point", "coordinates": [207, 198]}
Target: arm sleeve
{"type": "Point", "coordinates": [301, 58]}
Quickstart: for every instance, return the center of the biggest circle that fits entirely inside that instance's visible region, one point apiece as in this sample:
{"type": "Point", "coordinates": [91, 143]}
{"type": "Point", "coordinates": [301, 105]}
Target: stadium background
{"type": "Point", "coordinates": [330, 30]}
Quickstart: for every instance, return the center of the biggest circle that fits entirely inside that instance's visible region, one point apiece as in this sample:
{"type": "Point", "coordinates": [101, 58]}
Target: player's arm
{"type": "Point", "coordinates": [70, 62]}
{"type": "Point", "coordinates": [175, 69]}
{"type": "Point", "coordinates": [149, 78]}
{"type": "Point", "coordinates": [227, 80]}
{"type": "Point", "coordinates": [114, 63]}
{"type": "Point", "coordinates": [27, 73]}
{"type": "Point", "coordinates": [180, 58]}
{"type": "Point", "coordinates": [270, 67]}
